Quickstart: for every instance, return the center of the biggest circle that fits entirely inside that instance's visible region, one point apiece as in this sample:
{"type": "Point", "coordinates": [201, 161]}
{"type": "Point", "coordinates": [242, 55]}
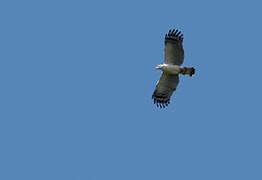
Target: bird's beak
{"type": "Point", "coordinates": [157, 67]}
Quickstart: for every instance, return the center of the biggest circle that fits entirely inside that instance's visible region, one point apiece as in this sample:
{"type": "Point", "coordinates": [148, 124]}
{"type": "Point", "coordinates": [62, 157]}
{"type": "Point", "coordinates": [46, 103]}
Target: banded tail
{"type": "Point", "coordinates": [188, 71]}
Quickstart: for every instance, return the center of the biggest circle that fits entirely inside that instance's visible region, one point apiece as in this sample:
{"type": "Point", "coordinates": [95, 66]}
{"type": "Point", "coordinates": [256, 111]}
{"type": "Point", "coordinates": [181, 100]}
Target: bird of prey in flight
{"type": "Point", "coordinates": [174, 57]}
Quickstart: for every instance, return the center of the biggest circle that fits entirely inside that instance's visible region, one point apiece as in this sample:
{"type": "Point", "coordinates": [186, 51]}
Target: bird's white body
{"type": "Point", "coordinates": [170, 68]}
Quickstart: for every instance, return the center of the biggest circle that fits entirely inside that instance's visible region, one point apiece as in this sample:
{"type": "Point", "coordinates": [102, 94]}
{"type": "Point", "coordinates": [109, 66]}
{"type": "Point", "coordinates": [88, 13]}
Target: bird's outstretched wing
{"type": "Point", "coordinates": [174, 52]}
{"type": "Point", "coordinates": [164, 89]}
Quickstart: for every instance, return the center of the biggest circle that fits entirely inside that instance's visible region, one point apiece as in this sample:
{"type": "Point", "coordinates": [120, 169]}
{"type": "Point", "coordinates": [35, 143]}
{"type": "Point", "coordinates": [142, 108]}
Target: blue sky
{"type": "Point", "coordinates": [76, 84]}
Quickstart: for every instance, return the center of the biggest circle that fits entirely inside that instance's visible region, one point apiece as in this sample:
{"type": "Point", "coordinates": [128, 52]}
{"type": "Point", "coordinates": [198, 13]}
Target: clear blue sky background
{"type": "Point", "coordinates": [76, 85]}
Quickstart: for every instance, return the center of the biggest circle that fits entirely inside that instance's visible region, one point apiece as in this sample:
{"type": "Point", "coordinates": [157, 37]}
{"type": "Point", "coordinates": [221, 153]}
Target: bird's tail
{"type": "Point", "coordinates": [188, 71]}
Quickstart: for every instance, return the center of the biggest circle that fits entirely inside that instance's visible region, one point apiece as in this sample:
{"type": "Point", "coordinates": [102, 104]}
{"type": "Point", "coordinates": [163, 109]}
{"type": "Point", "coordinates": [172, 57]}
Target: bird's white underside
{"type": "Point", "coordinates": [170, 68]}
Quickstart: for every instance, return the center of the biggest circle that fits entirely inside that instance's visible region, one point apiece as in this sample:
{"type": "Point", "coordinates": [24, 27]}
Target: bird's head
{"type": "Point", "coordinates": [160, 66]}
